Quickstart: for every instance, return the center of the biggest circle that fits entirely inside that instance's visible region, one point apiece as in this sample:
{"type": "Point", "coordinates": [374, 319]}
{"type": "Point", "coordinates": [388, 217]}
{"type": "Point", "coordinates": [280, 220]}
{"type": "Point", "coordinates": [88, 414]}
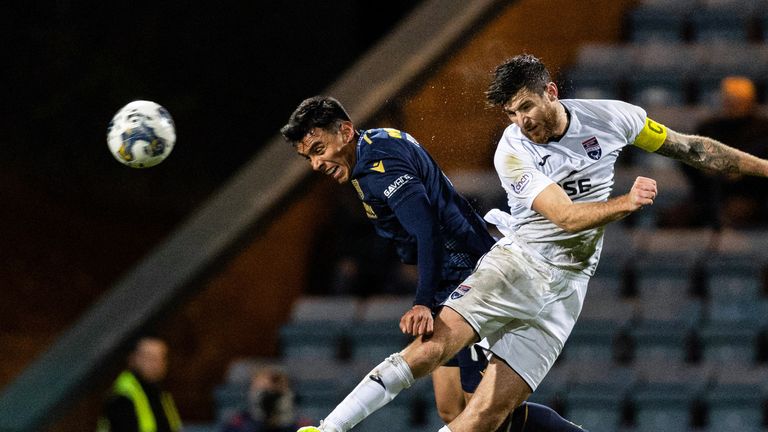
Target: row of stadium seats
{"type": "Point", "coordinates": [698, 20]}
{"type": "Point", "coordinates": [658, 395]}
{"type": "Point", "coordinates": [652, 396]}
{"type": "Point", "coordinates": [664, 73]}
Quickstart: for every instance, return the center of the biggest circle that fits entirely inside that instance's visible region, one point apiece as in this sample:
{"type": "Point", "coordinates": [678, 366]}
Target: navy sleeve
{"type": "Point", "coordinates": [418, 217]}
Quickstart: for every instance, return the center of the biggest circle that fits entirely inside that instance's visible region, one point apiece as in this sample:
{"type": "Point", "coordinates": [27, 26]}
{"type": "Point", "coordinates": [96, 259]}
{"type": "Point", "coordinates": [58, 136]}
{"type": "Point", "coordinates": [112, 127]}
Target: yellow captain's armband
{"type": "Point", "coordinates": [652, 136]}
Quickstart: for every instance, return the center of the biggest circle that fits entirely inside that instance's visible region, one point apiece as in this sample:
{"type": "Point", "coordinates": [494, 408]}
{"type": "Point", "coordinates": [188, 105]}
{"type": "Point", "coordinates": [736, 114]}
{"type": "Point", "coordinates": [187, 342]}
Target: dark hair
{"type": "Point", "coordinates": [523, 71]}
{"type": "Point", "coordinates": [317, 111]}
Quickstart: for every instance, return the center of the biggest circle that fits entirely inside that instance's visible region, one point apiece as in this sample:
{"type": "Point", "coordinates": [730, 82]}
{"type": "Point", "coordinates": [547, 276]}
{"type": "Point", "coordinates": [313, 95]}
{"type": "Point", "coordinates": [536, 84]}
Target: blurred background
{"type": "Point", "coordinates": [680, 292]}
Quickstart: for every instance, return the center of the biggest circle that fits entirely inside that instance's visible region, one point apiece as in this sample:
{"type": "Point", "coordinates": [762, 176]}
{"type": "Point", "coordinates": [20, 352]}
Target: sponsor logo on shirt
{"type": "Point", "coordinates": [592, 147]}
{"type": "Point", "coordinates": [397, 184]}
{"type": "Point", "coordinates": [521, 182]}
{"type": "Point", "coordinates": [460, 291]}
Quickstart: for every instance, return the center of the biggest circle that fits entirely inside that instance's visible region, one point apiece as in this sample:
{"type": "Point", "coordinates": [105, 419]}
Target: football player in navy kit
{"type": "Point", "coordinates": [411, 202]}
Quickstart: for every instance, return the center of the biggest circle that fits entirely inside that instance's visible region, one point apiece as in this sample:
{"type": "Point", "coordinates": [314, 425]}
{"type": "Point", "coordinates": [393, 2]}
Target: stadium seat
{"type": "Point", "coordinates": [658, 340]}
{"type": "Point", "coordinates": [735, 407]}
{"type": "Point", "coordinates": [662, 407]}
{"type": "Point", "coordinates": [682, 119]}
{"type": "Point", "coordinates": [319, 382]}
{"type": "Point", "coordinates": [377, 334]}
{"type": "Point", "coordinates": [733, 276]}
{"type": "Point", "coordinates": [323, 308]}
{"type": "Point", "coordinates": [312, 339]}
{"type": "Point", "coordinates": [604, 316]}
{"type": "Point", "coordinates": [727, 58]}
{"type": "Point", "coordinates": [374, 341]}
{"type": "Point", "coordinates": [729, 24]}
{"type": "Point", "coordinates": [596, 395]}
{"type": "Point", "coordinates": [385, 308]}
{"type": "Point", "coordinates": [655, 22]}
{"type": "Point", "coordinates": [727, 342]}
{"type": "Point", "coordinates": [665, 394]}
{"type": "Point", "coordinates": [735, 399]}
{"type": "Point", "coordinates": [660, 74]}
{"type": "Point", "coordinates": [229, 399]}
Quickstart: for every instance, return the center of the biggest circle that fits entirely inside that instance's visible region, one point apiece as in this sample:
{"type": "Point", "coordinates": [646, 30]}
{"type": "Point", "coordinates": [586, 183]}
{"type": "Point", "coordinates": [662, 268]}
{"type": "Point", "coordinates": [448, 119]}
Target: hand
{"type": "Point", "coordinates": [643, 193]}
{"type": "Point", "coordinates": [417, 321]}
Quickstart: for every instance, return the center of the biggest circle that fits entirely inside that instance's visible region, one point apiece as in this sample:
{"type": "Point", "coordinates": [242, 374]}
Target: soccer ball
{"type": "Point", "coordinates": [141, 134]}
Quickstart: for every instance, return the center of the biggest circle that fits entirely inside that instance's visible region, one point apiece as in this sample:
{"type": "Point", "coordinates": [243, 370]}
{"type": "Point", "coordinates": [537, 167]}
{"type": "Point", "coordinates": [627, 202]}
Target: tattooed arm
{"type": "Point", "coordinates": [707, 153]}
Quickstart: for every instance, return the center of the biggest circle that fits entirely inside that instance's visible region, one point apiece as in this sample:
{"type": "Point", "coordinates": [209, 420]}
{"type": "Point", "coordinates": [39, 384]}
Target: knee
{"type": "Point", "coordinates": [449, 411]}
{"type": "Point", "coordinates": [447, 414]}
{"type": "Point", "coordinates": [424, 357]}
{"type": "Point", "coordinates": [486, 418]}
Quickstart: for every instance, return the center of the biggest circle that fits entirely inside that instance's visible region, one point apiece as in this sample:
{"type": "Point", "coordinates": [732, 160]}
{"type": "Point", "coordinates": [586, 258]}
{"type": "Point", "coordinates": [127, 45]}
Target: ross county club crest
{"type": "Point", "coordinates": [592, 147]}
{"type": "Point", "coordinates": [460, 291]}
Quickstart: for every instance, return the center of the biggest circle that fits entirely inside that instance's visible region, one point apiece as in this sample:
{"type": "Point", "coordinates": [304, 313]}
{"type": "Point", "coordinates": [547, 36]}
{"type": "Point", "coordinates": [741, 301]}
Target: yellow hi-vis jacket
{"type": "Point", "coordinates": [127, 385]}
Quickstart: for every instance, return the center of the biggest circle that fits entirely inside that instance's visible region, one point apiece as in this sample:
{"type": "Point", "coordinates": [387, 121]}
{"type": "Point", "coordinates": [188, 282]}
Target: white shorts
{"type": "Point", "coordinates": [524, 307]}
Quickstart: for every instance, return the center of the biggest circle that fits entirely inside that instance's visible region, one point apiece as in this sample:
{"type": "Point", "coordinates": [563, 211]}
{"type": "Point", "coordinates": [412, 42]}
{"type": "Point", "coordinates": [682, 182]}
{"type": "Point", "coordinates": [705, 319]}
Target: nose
{"type": "Point", "coordinates": [316, 163]}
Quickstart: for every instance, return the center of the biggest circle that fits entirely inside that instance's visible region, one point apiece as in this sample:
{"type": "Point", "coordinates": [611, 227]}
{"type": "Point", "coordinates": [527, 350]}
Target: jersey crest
{"type": "Point", "coordinates": [592, 147]}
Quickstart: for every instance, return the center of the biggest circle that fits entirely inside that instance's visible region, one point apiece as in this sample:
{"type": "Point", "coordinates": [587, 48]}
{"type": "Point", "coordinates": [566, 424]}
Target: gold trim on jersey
{"type": "Point", "coordinates": [652, 136]}
{"type": "Point", "coordinates": [368, 209]}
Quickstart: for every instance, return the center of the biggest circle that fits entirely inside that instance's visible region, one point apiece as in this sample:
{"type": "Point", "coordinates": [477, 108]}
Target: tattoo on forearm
{"type": "Point", "coordinates": [702, 152]}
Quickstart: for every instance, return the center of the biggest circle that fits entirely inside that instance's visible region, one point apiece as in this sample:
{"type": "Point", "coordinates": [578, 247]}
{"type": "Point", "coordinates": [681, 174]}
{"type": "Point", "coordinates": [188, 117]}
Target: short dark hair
{"type": "Point", "coordinates": [317, 111]}
{"type": "Point", "coordinates": [522, 71]}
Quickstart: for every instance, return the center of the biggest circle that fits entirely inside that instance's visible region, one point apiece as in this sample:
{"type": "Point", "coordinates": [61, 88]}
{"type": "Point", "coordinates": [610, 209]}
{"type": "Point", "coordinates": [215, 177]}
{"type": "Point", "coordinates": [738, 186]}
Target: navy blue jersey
{"type": "Point", "coordinates": [410, 201]}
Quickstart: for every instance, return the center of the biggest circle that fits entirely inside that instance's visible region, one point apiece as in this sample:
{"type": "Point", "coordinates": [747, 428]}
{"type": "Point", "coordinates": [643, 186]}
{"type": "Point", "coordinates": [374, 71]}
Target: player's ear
{"type": "Point", "coordinates": [347, 131]}
{"type": "Point", "coordinates": [551, 91]}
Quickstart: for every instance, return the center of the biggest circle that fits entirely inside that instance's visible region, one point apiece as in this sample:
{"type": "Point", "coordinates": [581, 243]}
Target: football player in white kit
{"type": "Point", "coordinates": [556, 163]}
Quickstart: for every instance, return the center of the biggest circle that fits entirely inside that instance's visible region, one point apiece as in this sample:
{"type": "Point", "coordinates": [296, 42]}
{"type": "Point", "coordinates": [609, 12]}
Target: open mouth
{"type": "Point", "coordinates": [332, 171]}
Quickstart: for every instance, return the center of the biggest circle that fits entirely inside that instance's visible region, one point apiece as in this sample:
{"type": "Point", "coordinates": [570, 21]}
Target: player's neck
{"type": "Point", "coordinates": [563, 121]}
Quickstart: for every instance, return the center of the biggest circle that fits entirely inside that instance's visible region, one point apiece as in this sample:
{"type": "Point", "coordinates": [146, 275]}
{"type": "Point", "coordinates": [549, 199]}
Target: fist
{"type": "Point", "coordinates": [643, 193]}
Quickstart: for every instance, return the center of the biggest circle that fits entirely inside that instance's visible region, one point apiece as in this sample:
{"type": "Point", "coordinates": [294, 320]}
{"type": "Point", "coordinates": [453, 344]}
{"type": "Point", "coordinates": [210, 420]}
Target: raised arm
{"type": "Point", "coordinates": [707, 153]}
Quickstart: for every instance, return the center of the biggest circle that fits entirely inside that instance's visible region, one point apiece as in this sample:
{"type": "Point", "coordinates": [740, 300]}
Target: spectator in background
{"type": "Point", "coordinates": [733, 201]}
{"type": "Point", "coordinates": [138, 403]}
{"type": "Point", "coordinates": [270, 404]}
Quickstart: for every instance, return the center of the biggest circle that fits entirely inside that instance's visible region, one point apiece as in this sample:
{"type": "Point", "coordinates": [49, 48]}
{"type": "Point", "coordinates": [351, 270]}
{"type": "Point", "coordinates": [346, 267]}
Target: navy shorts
{"type": "Point", "coordinates": [470, 368]}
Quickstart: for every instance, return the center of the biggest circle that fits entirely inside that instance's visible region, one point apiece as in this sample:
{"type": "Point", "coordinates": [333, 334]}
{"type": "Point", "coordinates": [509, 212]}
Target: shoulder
{"type": "Point", "coordinates": [602, 109]}
{"type": "Point", "coordinates": [389, 144]}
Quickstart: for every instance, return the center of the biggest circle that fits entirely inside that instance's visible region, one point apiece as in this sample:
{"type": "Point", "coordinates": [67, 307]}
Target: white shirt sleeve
{"type": "Point", "coordinates": [518, 174]}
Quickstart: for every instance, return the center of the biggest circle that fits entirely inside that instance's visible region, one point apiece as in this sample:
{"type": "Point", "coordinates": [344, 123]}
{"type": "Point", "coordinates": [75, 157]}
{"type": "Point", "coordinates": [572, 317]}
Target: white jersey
{"type": "Point", "coordinates": [581, 162]}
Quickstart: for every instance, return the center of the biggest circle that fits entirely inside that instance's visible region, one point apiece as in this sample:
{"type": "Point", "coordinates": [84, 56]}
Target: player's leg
{"type": "Point", "coordinates": [500, 391]}
{"type": "Point", "coordinates": [456, 381]}
{"type": "Point", "coordinates": [400, 370]}
{"type": "Point", "coordinates": [532, 417]}
{"type": "Point", "coordinates": [449, 397]}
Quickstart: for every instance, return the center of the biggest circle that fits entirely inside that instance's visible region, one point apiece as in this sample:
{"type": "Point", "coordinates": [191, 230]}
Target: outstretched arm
{"type": "Point", "coordinates": [707, 153]}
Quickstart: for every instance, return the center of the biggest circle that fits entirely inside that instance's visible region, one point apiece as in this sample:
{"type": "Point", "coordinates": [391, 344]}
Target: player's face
{"type": "Point", "coordinates": [536, 114]}
{"type": "Point", "coordinates": [331, 152]}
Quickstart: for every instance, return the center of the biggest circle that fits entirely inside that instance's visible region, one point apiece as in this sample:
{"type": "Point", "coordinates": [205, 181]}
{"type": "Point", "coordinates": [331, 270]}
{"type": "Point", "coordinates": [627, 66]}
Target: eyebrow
{"type": "Point", "coordinates": [309, 149]}
{"type": "Point", "coordinates": [509, 110]}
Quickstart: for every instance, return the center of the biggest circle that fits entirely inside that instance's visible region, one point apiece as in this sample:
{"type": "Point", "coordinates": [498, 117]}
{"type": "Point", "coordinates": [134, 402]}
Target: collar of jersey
{"type": "Point", "coordinates": [359, 148]}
